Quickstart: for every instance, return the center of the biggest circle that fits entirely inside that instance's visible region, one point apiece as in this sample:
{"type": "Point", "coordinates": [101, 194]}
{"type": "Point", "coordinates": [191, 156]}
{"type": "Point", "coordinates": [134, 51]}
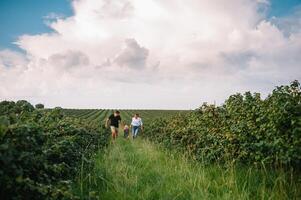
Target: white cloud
{"type": "Point", "coordinates": [69, 59]}
{"type": "Point", "coordinates": [10, 59]}
{"type": "Point", "coordinates": [153, 54]}
{"type": "Point", "coordinates": [132, 55]}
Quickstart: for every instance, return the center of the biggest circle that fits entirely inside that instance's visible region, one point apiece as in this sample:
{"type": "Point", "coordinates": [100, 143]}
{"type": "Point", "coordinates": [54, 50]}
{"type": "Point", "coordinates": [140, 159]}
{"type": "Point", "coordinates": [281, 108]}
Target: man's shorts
{"type": "Point", "coordinates": [114, 129]}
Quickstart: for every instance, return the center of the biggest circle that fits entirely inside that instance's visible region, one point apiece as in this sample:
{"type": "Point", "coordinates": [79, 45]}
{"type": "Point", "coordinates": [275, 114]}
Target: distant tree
{"type": "Point", "coordinates": [6, 107]}
{"type": "Point", "coordinates": [39, 106]}
{"type": "Point", "coordinates": [23, 105]}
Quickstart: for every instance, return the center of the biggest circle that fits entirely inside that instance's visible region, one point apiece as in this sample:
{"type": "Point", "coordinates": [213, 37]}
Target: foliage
{"type": "Point", "coordinates": [101, 114]}
{"type": "Point", "coordinates": [40, 151]}
{"type": "Point", "coordinates": [244, 129]}
{"type": "Point", "coordinates": [39, 106]}
{"type": "Point", "coordinates": [143, 170]}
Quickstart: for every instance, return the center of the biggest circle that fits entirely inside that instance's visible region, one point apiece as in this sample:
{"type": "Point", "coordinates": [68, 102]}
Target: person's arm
{"type": "Point", "coordinates": [141, 124]}
{"type": "Point", "coordinates": [131, 123]}
{"type": "Point", "coordinates": [107, 122]}
{"type": "Point", "coordinates": [121, 122]}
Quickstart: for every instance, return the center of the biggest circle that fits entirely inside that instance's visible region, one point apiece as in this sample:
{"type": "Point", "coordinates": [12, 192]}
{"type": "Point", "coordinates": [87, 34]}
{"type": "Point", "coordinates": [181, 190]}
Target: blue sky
{"type": "Point", "coordinates": [280, 8]}
{"type": "Point", "coordinates": [19, 17]}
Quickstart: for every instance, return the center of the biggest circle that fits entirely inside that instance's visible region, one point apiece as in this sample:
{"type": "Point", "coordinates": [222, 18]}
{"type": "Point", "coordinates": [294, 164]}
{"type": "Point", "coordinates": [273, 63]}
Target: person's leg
{"type": "Point", "coordinates": [113, 130]}
{"type": "Point", "coordinates": [133, 133]}
{"type": "Point", "coordinates": [116, 132]}
{"type": "Point", "coordinates": [137, 131]}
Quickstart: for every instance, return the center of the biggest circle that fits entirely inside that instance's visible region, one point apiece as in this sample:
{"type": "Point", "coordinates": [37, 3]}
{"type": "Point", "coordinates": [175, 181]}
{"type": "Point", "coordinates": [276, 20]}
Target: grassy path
{"type": "Point", "coordinates": [141, 170]}
{"type": "Point", "coordinates": [137, 170]}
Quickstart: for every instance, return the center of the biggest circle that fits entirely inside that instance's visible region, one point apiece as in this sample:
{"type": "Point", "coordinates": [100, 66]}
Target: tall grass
{"type": "Point", "coordinates": [142, 170]}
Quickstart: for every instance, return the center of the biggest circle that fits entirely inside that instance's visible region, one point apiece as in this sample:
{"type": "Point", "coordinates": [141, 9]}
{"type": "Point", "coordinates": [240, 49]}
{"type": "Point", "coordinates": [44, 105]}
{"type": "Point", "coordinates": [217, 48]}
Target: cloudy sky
{"type": "Point", "coordinates": [146, 54]}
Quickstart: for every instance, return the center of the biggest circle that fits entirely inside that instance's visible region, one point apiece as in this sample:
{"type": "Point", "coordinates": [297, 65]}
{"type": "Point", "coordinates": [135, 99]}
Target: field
{"type": "Point", "coordinates": [140, 169]}
{"type": "Point", "coordinates": [100, 115]}
{"type": "Point", "coordinates": [247, 148]}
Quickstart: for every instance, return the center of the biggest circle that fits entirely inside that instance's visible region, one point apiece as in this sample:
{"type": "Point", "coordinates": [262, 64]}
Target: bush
{"type": "Point", "coordinates": [244, 129]}
{"type": "Point", "coordinates": [40, 151]}
{"type": "Point", "coordinates": [39, 106]}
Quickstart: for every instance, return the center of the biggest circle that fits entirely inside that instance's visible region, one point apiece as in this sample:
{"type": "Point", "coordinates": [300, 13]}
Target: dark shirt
{"type": "Point", "coordinates": [114, 121]}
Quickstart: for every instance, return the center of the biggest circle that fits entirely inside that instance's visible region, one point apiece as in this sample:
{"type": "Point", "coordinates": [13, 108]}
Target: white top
{"type": "Point", "coordinates": [136, 121]}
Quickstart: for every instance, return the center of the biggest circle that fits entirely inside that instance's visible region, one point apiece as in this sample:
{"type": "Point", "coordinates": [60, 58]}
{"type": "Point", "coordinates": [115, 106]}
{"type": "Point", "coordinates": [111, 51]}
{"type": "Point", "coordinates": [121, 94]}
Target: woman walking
{"type": "Point", "coordinates": [136, 125]}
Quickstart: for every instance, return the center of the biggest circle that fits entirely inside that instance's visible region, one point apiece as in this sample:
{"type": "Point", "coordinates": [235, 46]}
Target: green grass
{"type": "Point", "coordinates": [140, 169]}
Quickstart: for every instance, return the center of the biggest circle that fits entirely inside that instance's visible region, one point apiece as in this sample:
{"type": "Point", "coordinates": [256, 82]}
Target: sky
{"type": "Point", "coordinates": [151, 54]}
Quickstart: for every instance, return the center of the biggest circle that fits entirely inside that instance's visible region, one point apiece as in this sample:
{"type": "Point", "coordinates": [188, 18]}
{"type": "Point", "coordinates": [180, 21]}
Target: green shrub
{"type": "Point", "coordinates": [244, 129]}
{"type": "Point", "coordinates": [39, 106]}
{"type": "Point", "coordinates": [40, 151]}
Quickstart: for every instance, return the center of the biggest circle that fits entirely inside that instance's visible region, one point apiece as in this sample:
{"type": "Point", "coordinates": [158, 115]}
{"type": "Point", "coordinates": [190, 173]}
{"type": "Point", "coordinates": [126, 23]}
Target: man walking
{"type": "Point", "coordinates": [114, 120]}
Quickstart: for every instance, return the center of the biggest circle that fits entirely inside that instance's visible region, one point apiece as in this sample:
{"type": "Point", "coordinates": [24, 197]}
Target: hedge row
{"type": "Point", "coordinates": [40, 151]}
{"type": "Point", "coordinates": [246, 128]}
